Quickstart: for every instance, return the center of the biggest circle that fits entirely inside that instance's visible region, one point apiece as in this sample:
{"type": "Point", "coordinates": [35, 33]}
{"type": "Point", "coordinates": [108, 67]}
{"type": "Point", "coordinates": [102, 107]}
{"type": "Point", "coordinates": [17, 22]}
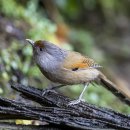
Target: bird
{"type": "Point", "coordinates": [67, 67]}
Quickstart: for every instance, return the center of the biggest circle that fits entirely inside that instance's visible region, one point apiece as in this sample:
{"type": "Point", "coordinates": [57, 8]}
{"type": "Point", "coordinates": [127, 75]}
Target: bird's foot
{"type": "Point", "coordinates": [74, 102]}
{"type": "Point", "coordinates": [44, 91]}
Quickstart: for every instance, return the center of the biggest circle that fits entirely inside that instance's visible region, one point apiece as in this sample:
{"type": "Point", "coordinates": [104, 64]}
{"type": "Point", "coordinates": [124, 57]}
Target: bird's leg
{"type": "Point", "coordinates": [50, 89]}
{"type": "Point", "coordinates": [80, 97]}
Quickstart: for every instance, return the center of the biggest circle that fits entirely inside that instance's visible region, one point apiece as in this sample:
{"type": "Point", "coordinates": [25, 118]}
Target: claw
{"type": "Point", "coordinates": [44, 91]}
{"type": "Point", "coordinates": [80, 97]}
{"type": "Point", "coordinates": [74, 102]}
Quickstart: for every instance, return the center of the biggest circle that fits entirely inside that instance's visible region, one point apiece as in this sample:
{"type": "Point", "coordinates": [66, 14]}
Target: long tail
{"type": "Point", "coordinates": [113, 88]}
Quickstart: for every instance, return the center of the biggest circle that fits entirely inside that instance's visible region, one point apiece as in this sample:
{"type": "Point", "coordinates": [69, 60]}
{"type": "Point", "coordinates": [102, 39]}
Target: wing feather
{"type": "Point", "coordinates": [75, 61]}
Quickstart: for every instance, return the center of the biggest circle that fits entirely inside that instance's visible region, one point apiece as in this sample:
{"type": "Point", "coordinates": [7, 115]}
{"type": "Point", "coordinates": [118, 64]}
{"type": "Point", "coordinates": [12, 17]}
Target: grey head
{"type": "Point", "coordinates": [42, 47]}
{"type": "Point", "coordinates": [47, 55]}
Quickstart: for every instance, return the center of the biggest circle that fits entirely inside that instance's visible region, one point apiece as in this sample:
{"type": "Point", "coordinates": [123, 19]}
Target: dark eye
{"type": "Point", "coordinates": [40, 49]}
{"type": "Point", "coordinates": [74, 69]}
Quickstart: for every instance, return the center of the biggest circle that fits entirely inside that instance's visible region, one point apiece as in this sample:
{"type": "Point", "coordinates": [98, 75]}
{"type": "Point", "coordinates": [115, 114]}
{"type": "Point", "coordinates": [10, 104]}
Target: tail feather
{"type": "Point", "coordinates": [113, 88]}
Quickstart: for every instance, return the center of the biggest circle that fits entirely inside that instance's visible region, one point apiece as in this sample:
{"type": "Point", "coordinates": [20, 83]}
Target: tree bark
{"type": "Point", "coordinates": [54, 109]}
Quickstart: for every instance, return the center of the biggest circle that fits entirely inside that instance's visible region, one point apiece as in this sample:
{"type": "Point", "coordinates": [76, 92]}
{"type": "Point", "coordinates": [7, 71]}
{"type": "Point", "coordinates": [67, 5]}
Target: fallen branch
{"type": "Point", "coordinates": [55, 110]}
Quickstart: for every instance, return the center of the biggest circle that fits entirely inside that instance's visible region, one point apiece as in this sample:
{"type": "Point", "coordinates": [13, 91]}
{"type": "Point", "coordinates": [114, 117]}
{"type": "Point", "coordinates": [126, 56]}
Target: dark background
{"type": "Point", "coordinates": [97, 28]}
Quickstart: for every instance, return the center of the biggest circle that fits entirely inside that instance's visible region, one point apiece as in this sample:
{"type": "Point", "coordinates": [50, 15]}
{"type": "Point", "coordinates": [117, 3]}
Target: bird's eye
{"type": "Point", "coordinates": [74, 69]}
{"type": "Point", "coordinates": [40, 49]}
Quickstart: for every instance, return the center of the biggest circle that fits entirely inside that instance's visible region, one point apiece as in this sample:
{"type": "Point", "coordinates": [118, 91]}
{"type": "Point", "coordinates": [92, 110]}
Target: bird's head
{"type": "Point", "coordinates": [42, 47]}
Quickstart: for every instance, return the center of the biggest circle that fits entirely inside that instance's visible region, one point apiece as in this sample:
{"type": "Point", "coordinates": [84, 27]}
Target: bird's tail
{"type": "Point", "coordinates": [113, 88]}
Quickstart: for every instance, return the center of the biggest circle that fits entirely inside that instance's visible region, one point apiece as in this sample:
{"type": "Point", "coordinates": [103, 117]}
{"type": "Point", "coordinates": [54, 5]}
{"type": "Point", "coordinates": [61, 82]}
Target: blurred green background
{"type": "Point", "coordinates": [97, 28]}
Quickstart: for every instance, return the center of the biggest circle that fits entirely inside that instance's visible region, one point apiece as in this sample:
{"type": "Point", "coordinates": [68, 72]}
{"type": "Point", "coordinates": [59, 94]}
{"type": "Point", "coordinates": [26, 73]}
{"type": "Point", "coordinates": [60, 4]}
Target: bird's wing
{"type": "Point", "coordinates": [76, 61]}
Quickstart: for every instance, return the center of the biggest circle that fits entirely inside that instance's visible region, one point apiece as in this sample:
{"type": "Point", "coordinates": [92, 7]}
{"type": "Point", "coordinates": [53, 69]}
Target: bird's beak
{"type": "Point", "coordinates": [30, 41]}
